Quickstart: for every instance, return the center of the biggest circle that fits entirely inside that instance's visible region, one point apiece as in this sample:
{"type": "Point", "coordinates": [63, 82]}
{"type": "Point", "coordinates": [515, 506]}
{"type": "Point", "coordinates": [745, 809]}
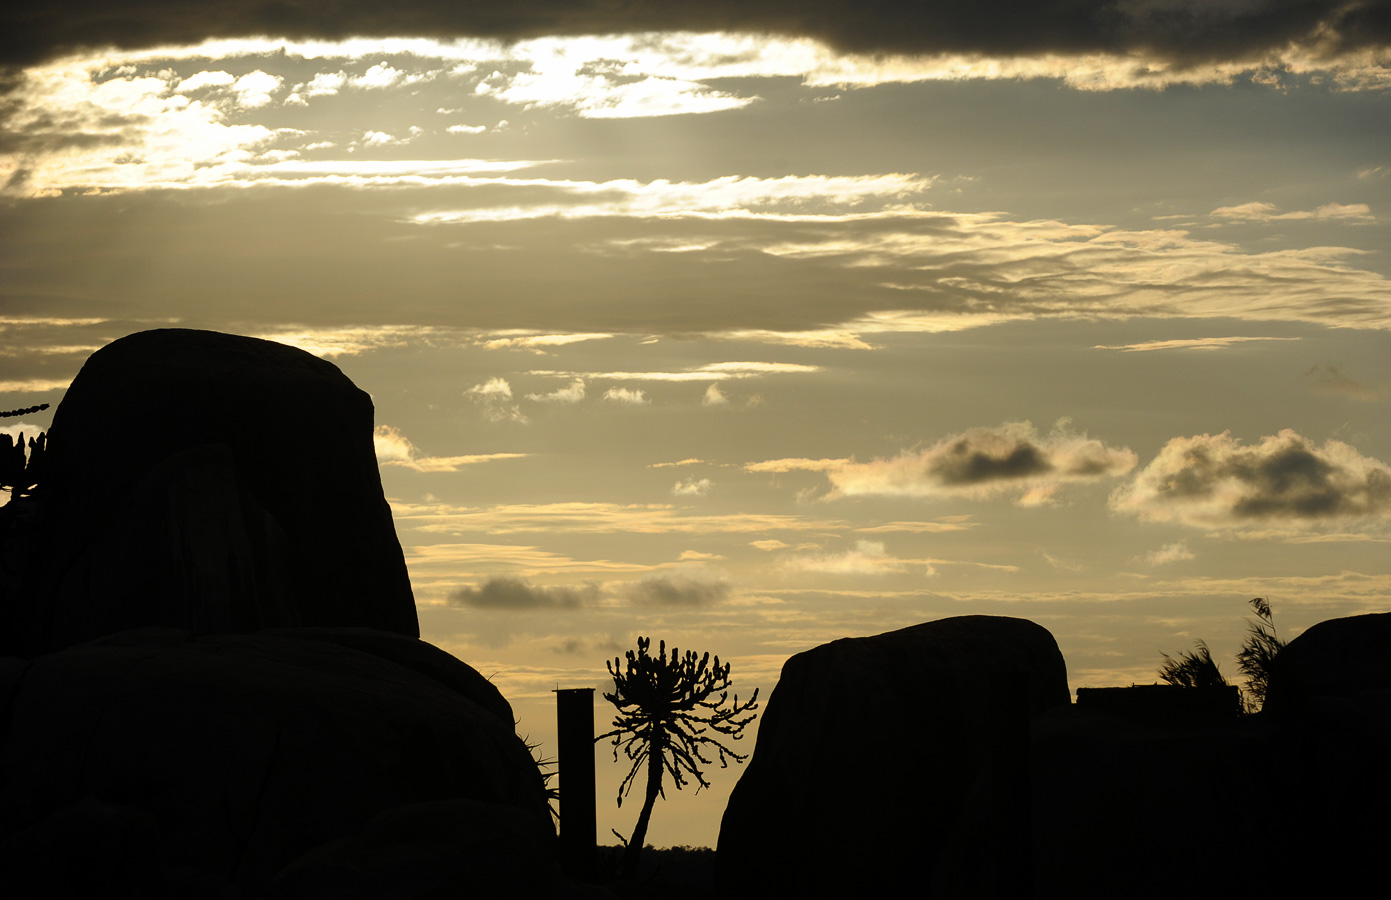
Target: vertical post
{"type": "Point", "coordinates": [575, 729]}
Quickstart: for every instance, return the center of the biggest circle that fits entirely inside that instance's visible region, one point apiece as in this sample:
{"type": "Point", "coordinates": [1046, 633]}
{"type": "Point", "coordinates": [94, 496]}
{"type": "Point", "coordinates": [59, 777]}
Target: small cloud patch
{"type": "Point", "coordinates": [519, 594]}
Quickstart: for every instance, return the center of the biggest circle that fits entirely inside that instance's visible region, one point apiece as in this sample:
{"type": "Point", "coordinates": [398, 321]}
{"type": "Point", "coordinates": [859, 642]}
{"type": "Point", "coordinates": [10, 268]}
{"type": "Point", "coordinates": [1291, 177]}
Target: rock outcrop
{"type": "Point", "coordinates": [211, 482]}
{"type": "Point", "coordinates": [214, 686]}
{"type": "Point", "coordinates": [285, 758]}
{"type": "Point", "coordinates": [869, 748]}
{"type": "Point", "coordinates": [1339, 658]}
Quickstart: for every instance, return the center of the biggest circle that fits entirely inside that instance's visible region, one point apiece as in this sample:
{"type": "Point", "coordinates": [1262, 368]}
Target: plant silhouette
{"type": "Point", "coordinates": [20, 475]}
{"type": "Point", "coordinates": [1255, 660]}
{"type": "Point", "coordinates": [1191, 668]}
{"type": "Point", "coordinates": [671, 711]}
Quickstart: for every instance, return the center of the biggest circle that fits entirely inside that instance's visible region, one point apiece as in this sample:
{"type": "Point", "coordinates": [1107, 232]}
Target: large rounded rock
{"type": "Point", "coordinates": [1340, 658]}
{"type": "Point", "coordinates": [868, 749]}
{"type": "Point", "coordinates": [214, 482]}
{"type": "Point", "coordinates": [231, 760]}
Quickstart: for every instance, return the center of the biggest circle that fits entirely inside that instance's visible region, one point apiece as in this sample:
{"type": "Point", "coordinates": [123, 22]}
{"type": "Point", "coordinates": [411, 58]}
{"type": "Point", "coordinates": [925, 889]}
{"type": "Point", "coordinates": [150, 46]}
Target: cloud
{"type": "Point", "coordinates": [690, 461]}
{"type": "Point", "coordinates": [952, 523]}
{"type": "Point", "coordinates": [627, 396]}
{"type": "Point", "coordinates": [1268, 212]}
{"type": "Point", "coordinates": [519, 594]}
{"type": "Point", "coordinates": [1214, 481]}
{"type": "Point", "coordinates": [866, 558]}
{"type": "Point", "coordinates": [692, 487]}
{"type": "Point", "coordinates": [495, 398]}
{"type": "Point", "coordinates": [538, 342]}
{"type": "Point", "coordinates": [207, 79]}
{"type": "Point", "coordinates": [571, 393]}
{"type": "Point", "coordinates": [794, 464]}
{"type": "Point", "coordinates": [769, 545]}
{"type": "Point", "coordinates": [688, 586]}
{"type": "Point", "coordinates": [984, 461]}
{"type": "Point", "coordinates": [1184, 32]}
{"type": "Point", "coordinates": [714, 396]}
{"type": "Point", "coordinates": [597, 518]}
{"type": "Point", "coordinates": [1221, 343]}
{"type": "Point", "coordinates": [698, 373]}
{"type": "Point", "coordinates": [34, 385]}
{"type": "Point", "coordinates": [382, 75]}
{"type": "Point", "coordinates": [254, 89]}
{"type": "Point", "coordinates": [395, 449]}
{"type": "Point", "coordinates": [1169, 553]}
{"type": "Point", "coordinates": [725, 197]}
{"type": "Point", "coordinates": [330, 342]}
{"type": "Point", "coordinates": [608, 95]}
{"type": "Point", "coordinates": [326, 84]}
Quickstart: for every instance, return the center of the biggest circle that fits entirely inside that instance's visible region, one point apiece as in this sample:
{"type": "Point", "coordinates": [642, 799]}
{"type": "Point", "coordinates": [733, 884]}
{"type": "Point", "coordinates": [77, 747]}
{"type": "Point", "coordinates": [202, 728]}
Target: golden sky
{"type": "Point", "coordinates": [747, 331]}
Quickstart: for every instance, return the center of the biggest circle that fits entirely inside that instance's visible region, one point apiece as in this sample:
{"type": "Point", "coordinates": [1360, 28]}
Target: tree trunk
{"type": "Point", "coordinates": [655, 752]}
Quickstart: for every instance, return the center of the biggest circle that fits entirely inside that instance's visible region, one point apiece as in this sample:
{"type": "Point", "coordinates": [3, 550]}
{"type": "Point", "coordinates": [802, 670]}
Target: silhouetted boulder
{"type": "Point", "coordinates": [869, 748]}
{"type": "Point", "coordinates": [1337, 658]}
{"type": "Point", "coordinates": [445, 849]}
{"type": "Point", "coordinates": [213, 482]}
{"type": "Point", "coordinates": [231, 761]}
{"type": "Point", "coordinates": [1135, 807]}
{"type": "Point", "coordinates": [1275, 806]}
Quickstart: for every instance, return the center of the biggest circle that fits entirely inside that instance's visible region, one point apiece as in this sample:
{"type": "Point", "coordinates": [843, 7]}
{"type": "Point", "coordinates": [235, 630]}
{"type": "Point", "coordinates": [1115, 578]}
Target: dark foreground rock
{"type": "Point", "coordinates": [877, 775]}
{"type": "Point", "coordinates": [869, 749]}
{"type": "Point", "coordinates": [1287, 804]}
{"type": "Point", "coordinates": [1345, 659]}
{"type": "Point", "coordinates": [213, 482]}
{"type": "Point", "coordinates": [288, 736]}
{"type": "Point", "coordinates": [296, 763]}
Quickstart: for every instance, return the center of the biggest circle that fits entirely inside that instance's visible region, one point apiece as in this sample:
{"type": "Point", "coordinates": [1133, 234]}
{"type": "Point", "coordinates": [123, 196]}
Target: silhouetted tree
{"type": "Point", "coordinates": [1191, 668]}
{"type": "Point", "coordinates": [671, 711]}
{"type": "Point", "coordinates": [1256, 658]}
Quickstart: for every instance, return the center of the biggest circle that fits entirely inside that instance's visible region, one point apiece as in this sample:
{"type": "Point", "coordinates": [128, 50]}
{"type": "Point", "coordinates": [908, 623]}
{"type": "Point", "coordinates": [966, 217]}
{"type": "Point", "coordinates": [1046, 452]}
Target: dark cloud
{"type": "Point", "coordinates": [518, 593]}
{"type": "Point", "coordinates": [982, 461]}
{"type": "Point", "coordinates": [1213, 480]}
{"type": "Point", "coordinates": [696, 588]}
{"type": "Point", "coordinates": [1194, 30]}
{"type": "Point", "coordinates": [964, 461]}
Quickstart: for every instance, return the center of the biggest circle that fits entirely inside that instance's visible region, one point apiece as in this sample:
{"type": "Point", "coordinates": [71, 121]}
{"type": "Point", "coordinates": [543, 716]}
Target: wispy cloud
{"type": "Point", "coordinates": [872, 558]}
{"type": "Point", "coordinates": [570, 393]}
{"type": "Point", "coordinates": [598, 518]}
{"type": "Point", "coordinates": [395, 449]}
{"type": "Point", "coordinates": [1221, 343]}
{"type": "Point", "coordinates": [494, 397]}
{"type": "Point", "coordinates": [691, 461]}
{"type": "Point", "coordinates": [539, 343]}
{"type": "Point", "coordinates": [951, 523]}
{"type": "Point", "coordinates": [1258, 211]}
{"type": "Point", "coordinates": [1169, 553]}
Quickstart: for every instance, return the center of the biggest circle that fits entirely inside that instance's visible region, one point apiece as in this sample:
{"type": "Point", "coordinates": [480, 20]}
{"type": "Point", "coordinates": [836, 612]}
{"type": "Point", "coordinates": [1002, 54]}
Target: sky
{"type": "Point", "coordinates": [758, 325]}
